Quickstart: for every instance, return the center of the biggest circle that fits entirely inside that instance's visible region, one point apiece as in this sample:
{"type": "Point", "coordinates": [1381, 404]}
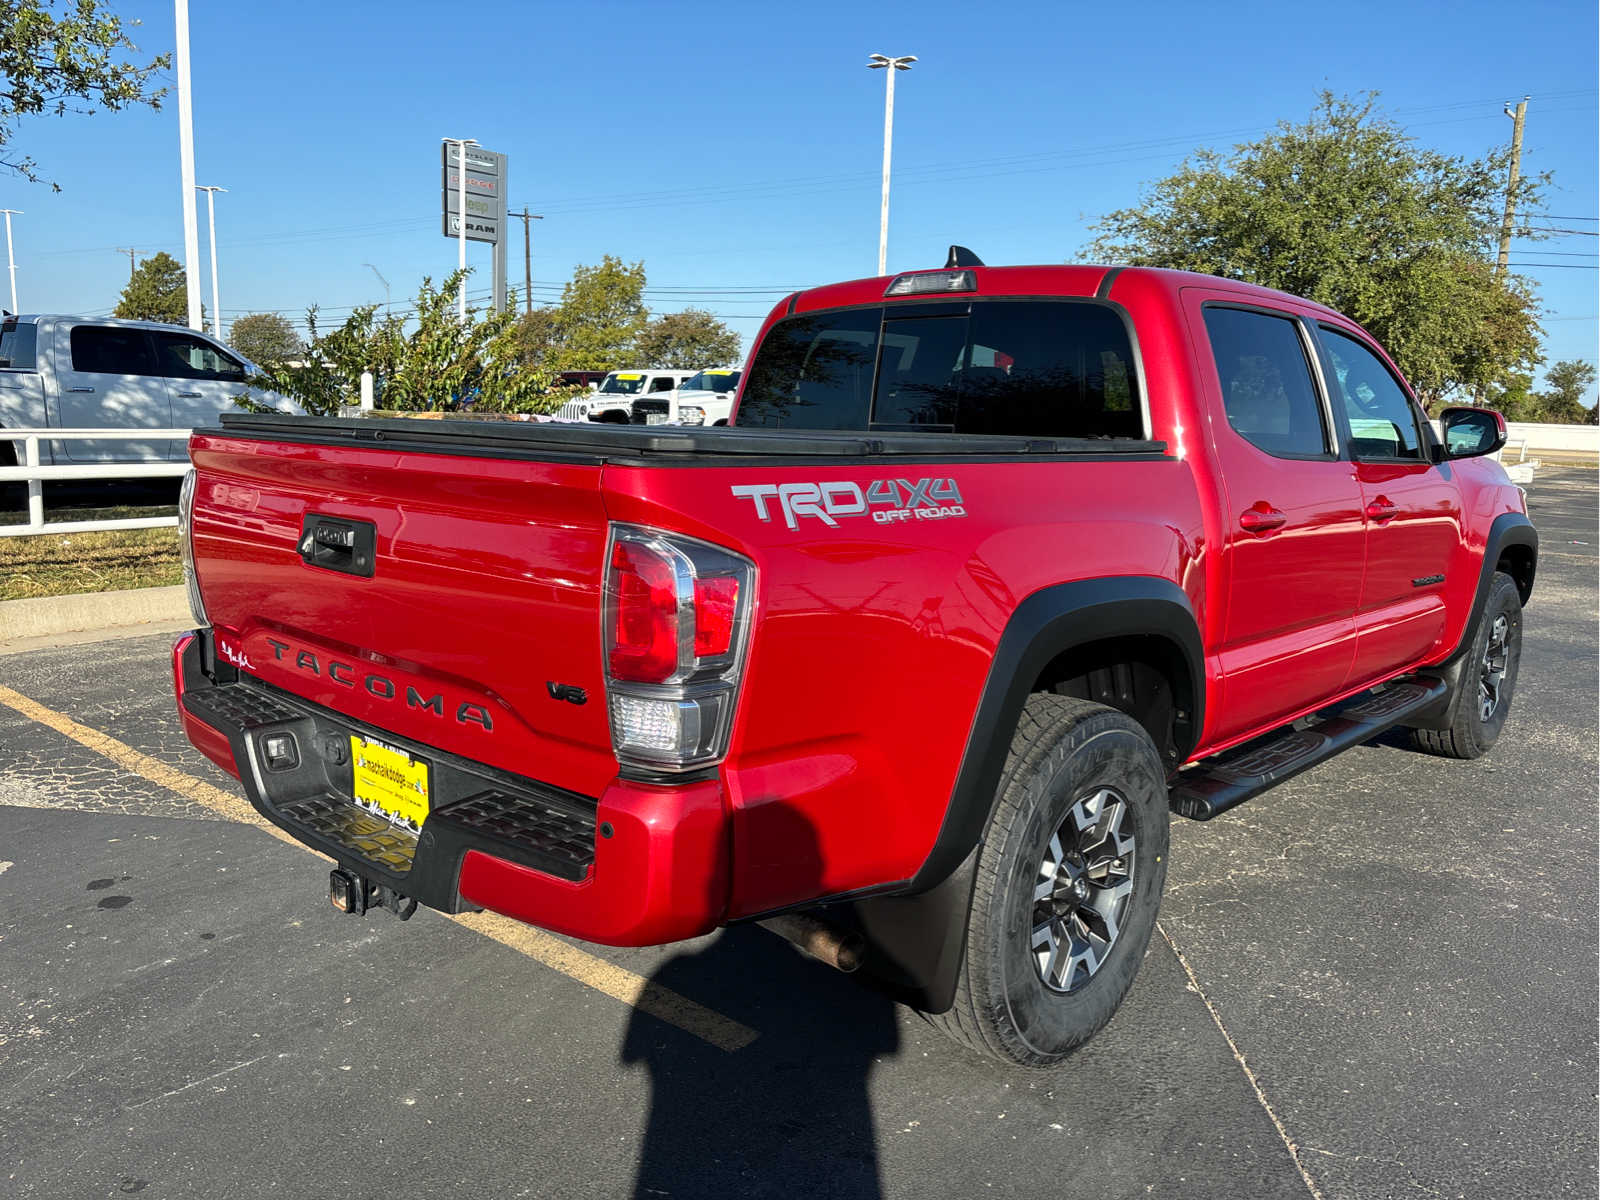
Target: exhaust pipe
{"type": "Point", "coordinates": [841, 949]}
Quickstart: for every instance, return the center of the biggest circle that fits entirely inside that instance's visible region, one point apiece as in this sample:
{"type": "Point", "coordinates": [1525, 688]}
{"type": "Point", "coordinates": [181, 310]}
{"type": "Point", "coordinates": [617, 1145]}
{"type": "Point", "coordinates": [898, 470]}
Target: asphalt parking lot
{"type": "Point", "coordinates": [1377, 981]}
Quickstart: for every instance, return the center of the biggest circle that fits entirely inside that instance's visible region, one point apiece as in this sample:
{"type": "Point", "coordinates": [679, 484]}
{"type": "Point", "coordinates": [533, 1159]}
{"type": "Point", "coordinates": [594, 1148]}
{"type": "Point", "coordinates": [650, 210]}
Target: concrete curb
{"type": "Point", "coordinates": [51, 615]}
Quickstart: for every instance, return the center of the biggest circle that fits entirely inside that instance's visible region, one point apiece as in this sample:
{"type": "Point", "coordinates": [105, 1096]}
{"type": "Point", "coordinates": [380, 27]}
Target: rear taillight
{"type": "Point", "coordinates": [677, 619]}
{"type": "Point", "coordinates": [191, 582]}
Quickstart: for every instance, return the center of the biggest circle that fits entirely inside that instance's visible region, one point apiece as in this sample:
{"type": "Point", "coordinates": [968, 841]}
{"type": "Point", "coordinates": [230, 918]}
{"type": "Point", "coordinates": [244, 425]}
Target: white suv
{"type": "Point", "coordinates": [619, 392]}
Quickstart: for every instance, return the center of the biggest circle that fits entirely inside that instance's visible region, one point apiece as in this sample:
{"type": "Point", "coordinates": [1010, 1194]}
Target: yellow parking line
{"type": "Point", "coordinates": [591, 971]}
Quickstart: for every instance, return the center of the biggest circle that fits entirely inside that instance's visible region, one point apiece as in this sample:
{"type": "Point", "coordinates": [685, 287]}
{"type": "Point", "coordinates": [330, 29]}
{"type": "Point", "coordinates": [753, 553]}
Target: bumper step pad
{"type": "Point", "coordinates": [1231, 778]}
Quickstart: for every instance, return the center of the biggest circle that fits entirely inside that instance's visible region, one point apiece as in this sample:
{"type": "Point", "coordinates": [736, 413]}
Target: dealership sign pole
{"type": "Point", "coordinates": [474, 203]}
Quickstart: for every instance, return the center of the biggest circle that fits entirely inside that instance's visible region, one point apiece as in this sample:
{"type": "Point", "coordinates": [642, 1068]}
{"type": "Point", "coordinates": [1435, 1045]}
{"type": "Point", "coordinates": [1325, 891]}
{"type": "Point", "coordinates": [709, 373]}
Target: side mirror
{"type": "Point", "coordinates": [1472, 432]}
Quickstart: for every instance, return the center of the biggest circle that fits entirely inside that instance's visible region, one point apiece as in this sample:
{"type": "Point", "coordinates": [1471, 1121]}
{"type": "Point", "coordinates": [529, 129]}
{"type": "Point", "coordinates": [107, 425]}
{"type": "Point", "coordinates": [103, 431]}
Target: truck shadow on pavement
{"type": "Point", "coordinates": [787, 1115]}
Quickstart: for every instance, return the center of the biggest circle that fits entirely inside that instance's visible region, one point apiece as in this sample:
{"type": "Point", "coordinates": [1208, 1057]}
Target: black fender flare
{"type": "Point", "coordinates": [916, 940]}
{"type": "Point", "coordinates": [1507, 530]}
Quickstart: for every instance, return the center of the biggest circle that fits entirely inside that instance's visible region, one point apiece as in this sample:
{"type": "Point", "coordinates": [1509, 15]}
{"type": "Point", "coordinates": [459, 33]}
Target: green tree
{"type": "Point", "coordinates": [601, 315]}
{"type": "Point", "coordinates": [1562, 401]}
{"type": "Point", "coordinates": [1348, 210]}
{"type": "Point", "coordinates": [686, 340]}
{"type": "Point", "coordinates": [61, 56]}
{"type": "Point", "coordinates": [265, 338]}
{"type": "Point", "coordinates": [442, 363]}
{"type": "Point", "coordinates": [538, 336]}
{"type": "Point", "coordinates": [157, 292]}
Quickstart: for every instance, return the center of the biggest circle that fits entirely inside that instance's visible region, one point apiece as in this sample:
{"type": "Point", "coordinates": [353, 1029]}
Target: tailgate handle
{"type": "Point", "coordinates": [338, 544]}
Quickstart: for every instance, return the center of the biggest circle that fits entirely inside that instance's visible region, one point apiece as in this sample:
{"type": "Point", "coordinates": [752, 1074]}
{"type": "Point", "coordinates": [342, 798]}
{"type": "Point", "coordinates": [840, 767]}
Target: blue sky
{"type": "Point", "coordinates": [735, 148]}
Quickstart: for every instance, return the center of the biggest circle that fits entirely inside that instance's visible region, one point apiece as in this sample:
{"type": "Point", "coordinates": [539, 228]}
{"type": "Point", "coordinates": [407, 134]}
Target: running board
{"type": "Point", "coordinates": [1218, 784]}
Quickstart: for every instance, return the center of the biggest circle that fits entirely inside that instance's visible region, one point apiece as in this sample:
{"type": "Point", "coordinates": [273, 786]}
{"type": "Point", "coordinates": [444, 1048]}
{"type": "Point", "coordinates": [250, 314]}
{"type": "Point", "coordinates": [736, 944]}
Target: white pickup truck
{"type": "Point", "coordinates": [60, 372]}
{"type": "Point", "coordinates": [705, 399]}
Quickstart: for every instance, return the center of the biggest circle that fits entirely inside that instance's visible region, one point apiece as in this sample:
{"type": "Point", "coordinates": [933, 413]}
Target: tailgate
{"type": "Point", "coordinates": [482, 604]}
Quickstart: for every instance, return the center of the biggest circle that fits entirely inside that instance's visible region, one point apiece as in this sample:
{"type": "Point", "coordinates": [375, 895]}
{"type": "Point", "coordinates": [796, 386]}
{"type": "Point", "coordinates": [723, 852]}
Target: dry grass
{"type": "Point", "coordinates": [56, 564]}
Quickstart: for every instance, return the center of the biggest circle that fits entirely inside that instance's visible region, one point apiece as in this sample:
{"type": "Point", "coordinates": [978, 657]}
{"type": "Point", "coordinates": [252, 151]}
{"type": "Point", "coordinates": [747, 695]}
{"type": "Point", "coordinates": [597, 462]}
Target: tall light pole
{"type": "Point", "coordinates": [878, 62]}
{"type": "Point", "coordinates": [461, 145]}
{"type": "Point", "coordinates": [10, 258]}
{"type": "Point", "coordinates": [191, 231]}
{"type": "Point", "coordinates": [211, 214]}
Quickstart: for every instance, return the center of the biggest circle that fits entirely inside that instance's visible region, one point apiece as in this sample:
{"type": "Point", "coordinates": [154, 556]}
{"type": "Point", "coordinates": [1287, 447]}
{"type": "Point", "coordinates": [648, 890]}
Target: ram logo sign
{"type": "Point", "coordinates": [886, 500]}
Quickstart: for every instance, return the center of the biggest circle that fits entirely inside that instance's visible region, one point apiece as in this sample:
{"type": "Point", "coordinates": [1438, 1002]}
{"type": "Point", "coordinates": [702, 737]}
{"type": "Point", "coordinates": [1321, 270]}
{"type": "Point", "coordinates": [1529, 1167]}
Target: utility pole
{"type": "Point", "coordinates": [1511, 183]}
{"type": "Point", "coordinates": [211, 213]}
{"type": "Point", "coordinates": [191, 221]}
{"type": "Point", "coordinates": [130, 252]}
{"type": "Point", "coordinates": [10, 258]}
{"type": "Point", "coordinates": [527, 257]}
{"type": "Point", "coordinates": [882, 62]}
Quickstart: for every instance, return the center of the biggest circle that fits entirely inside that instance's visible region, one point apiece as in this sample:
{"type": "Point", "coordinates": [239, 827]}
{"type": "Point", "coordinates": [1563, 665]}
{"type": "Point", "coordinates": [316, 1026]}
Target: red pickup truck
{"type": "Point", "coordinates": [995, 569]}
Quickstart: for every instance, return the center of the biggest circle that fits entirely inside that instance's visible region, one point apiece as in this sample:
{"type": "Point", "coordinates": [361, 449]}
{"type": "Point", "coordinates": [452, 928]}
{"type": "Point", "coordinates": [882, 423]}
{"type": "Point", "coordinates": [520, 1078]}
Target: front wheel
{"type": "Point", "coordinates": [1482, 698]}
{"type": "Point", "coordinates": [1067, 886]}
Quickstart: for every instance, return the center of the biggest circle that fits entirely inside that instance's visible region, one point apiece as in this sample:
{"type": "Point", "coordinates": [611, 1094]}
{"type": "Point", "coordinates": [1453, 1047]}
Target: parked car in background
{"type": "Point", "coordinates": [703, 399]}
{"type": "Point", "coordinates": [613, 401]}
{"type": "Point", "coordinates": [588, 379]}
{"type": "Point", "coordinates": [64, 372]}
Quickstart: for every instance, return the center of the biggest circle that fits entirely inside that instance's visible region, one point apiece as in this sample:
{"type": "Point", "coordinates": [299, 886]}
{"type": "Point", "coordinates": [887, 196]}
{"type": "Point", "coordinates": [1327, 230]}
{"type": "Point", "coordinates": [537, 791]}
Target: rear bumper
{"type": "Point", "coordinates": [639, 865]}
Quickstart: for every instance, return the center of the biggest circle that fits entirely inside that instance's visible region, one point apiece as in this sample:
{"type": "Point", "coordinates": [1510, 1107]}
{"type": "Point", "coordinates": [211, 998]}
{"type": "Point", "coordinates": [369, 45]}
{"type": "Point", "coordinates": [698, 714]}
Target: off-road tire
{"type": "Point", "coordinates": [1064, 751]}
{"type": "Point", "coordinates": [1470, 733]}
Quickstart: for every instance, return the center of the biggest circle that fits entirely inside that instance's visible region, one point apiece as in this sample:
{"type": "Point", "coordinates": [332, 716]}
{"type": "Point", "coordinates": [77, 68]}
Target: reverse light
{"type": "Point", "coordinates": [191, 582]}
{"type": "Point", "coordinates": [677, 620]}
{"type": "Point", "coordinates": [919, 283]}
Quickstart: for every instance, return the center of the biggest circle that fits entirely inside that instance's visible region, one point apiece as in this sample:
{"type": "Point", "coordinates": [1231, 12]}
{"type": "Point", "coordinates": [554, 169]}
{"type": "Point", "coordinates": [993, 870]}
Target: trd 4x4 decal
{"type": "Point", "coordinates": [888, 500]}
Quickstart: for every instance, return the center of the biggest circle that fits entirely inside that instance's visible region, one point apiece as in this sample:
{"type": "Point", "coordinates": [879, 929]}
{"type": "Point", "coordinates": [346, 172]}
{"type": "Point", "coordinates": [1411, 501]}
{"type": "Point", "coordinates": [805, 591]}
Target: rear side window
{"type": "Point", "coordinates": [1028, 368]}
{"type": "Point", "coordinates": [108, 350]}
{"type": "Point", "coordinates": [1383, 423]}
{"type": "Point", "coordinates": [662, 383]}
{"type": "Point", "coordinates": [1266, 382]}
{"type": "Point", "coordinates": [17, 340]}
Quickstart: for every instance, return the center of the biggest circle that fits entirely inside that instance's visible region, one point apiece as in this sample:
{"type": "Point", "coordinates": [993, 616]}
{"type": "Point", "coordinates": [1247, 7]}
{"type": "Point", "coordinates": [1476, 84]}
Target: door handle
{"type": "Point", "coordinates": [1261, 518]}
{"type": "Point", "coordinates": [80, 389]}
{"type": "Point", "coordinates": [1382, 509]}
{"type": "Point", "coordinates": [188, 395]}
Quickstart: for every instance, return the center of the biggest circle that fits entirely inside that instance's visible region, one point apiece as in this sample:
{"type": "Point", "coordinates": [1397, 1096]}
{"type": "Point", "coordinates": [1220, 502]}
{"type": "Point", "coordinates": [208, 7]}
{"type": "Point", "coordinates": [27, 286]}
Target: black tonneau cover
{"type": "Point", "coordinates": [654, 445]}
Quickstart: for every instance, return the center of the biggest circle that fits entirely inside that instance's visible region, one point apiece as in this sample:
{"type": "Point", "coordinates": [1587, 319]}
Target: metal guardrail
{"type": "Point", "coordinates": [31, 472]}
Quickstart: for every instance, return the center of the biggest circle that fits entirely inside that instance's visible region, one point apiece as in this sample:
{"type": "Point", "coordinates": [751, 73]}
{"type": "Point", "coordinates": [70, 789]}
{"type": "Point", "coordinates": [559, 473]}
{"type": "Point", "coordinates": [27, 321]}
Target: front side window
{"type": "Point", "coordinates": [1025, 368]}
{"type": "Point", "coordinates": [17, 340]}
{"type": "Point", "coordinates": [190, 358]}
{"type": "Point", "coordinates": [1383, 423]}
{"type": "Point", "coordinates": [1267, 390]}
{"type": "Point", "coordinates": [111, 350]}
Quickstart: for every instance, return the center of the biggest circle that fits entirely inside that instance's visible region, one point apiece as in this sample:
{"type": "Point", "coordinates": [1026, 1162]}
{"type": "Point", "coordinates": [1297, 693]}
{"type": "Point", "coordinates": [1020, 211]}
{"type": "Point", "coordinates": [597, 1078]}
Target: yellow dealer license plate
{"type": "Point", "coordinates": [389, 781]}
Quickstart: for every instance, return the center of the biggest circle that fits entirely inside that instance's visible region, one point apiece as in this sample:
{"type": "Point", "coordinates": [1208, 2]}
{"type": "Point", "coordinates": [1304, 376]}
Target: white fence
{"type": "Point", "coordinates": [1568, 439]}
{"type": "Point", "coordinates": [35, 475]}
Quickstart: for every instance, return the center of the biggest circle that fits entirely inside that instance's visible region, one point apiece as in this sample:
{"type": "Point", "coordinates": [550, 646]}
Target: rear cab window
{"type": "Point", "coordinates": [1039, 368]}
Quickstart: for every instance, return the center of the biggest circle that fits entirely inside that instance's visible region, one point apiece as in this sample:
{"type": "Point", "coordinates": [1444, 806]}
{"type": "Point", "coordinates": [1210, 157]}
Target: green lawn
{"type": "Point", "coordinates": [55, 564]}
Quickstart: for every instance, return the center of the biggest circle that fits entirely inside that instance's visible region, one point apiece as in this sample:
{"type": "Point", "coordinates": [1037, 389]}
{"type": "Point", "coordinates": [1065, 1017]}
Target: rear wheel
{"type": "Point", "coordinates": [1067, 886]}
{"type": "Point", "coordinates": [1488, 678]}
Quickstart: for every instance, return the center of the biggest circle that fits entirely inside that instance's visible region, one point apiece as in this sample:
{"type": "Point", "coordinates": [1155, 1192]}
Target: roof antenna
{"type": "Point", "coordinates": [960, 256]}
